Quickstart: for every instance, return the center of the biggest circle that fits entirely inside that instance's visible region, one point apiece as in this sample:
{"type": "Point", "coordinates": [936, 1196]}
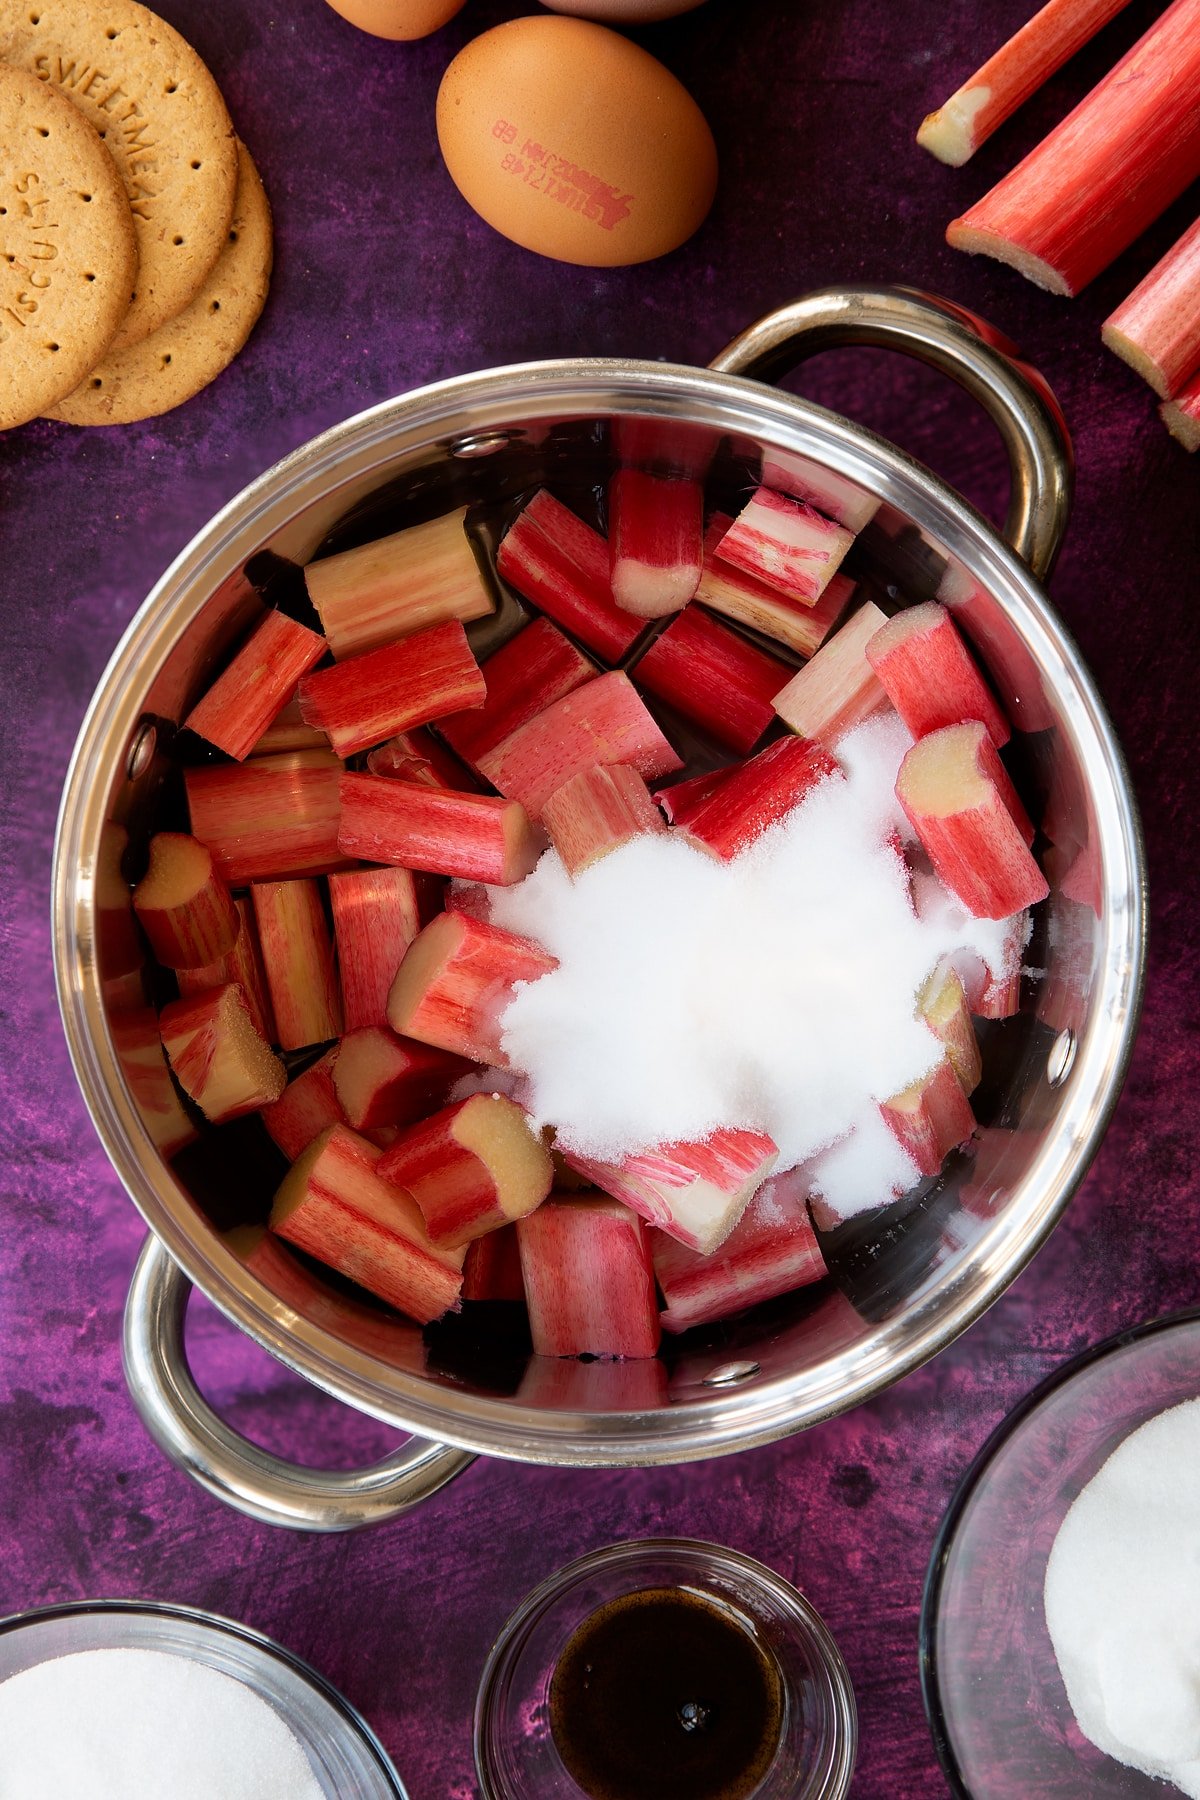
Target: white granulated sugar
{"type": "Point", "coordinates": [143, 1725]}
{"type": "Point", "coordinates": [1122, 1600]}
{"type": "Point", "coordinates": [775, 991]}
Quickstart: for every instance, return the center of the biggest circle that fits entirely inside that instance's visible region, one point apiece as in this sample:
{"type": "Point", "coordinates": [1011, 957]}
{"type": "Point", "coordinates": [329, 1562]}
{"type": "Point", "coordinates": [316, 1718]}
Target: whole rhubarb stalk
{"type": "Point", "coordinates": [333, 1204]}
{"type": "Point", "coordinates": [396, 586]}
{"type": "Point", "coordinates": [471, 1168]}
{"type": "Point", "coordinates": [477, 837]}
{"type": "Point", "coordinates": [597, 811]}
{"type": "Point", "coordinates": [376, 916]}
{"type": "Point", "coordinates": [244, 701]}
{"type": "Point", "coordinates": [456, 982]}
{"type": "Point", "coordinates": [714, 677]}
{"type": "Point", "coordinates": [184, 906]}
{"type": "Point", "coordinates": [361, 702]}
{"type": "Point", "coordinates": [589, 1281]}
{"type": "Point", "coordinates": [298, 962]}
{"type": "Point", "coordinates": [656, 532]}
{"type": "Point", "coordinates": [771, 1251]}
{"type": "Point", "coordinates": [561, 564]}
{"type": "Point", "coordinates": [219, 1059]}
{"type": "Point", "coordinates": [694, 1192]}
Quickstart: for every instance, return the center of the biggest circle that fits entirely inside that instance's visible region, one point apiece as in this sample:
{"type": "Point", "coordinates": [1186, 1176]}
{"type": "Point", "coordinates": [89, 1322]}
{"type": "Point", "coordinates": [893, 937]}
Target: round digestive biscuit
{"type": "Point", "coordinates": [161, 115]}
{"type": "Point", "coordinates": [184, 355]}
{"type": "Point", "coordinates": [67, 255]}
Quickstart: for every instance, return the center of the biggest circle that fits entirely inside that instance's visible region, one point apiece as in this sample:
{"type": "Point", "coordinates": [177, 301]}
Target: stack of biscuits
{"type": "Point", "coordinates": [135, 235]}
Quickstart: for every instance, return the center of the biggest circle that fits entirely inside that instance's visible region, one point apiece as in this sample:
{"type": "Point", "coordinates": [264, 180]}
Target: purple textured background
{"type": "Point", "coordinates": [384, 280]}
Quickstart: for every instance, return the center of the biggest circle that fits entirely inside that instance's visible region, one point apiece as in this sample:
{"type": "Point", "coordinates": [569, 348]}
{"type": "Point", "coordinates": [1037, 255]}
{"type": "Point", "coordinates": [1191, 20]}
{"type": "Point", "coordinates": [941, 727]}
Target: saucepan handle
{"type": "Point", "coordinates": [971, 352]}
{"type": "Point", "coordinates": [197, 1440]}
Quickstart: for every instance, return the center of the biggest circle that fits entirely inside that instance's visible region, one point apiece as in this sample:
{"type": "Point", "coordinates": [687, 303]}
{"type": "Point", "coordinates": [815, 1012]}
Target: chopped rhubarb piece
{"type": "Point", "coordinates": [418, 756]}
{"type": "Point", "coordinates": [561, 564]}
{"type": "Point", "coordinates": [139, 1050]}
{"type": "Point", "coordinates": [714, 677]}
{"type": "Point", "coordinates": [1157, 329]}
{"type": "Point", "coordinates": [456, 981]}
{"type": "Point", "coordinates": [397, 586]}
{"type": "Point", "coordinates": [287, 731]}
{"type": "Point", "coordinates": [471, 1168]}
{"type": "Point", "coordinates": [839, 498]}
{"type": "Point", "coordinates": [1005, 81]}
{"type": "Point", "coordinates": [942, 1004]}
{"type": "Point", "coordinates": [242, 964]}
{"type": "Point", "coordinates": [333, 1204]}
{"type": "Point", "coordinates": [376, 916]}
{"type": "Point", "coordinates": [219, 1060]}
{"type": "Point", "coordinates": [754, 603]}
{"type": "Point", "coordinates": [270, 817]}
{"type": "Point", "coordinates": [683, 800]}
{"type": "Point", "coordinates": [185, 908]}
{"type": "Point", "coordinates": [363, 701]}
{"type": "Point", "coordinates": [381, 1079]}
{"type": "Point", "coordinates": [534, 669]}
{"type": "Point", "coordinates": [1181, 416]}
{"type": "Point", "coordinates": [757, 795]}
{"type": "Point", "coordinates": [492, 1270]}
{"type": "Point", "coordinates": [932, 1117]}
{"type": "Point", "coordinates": [694, 1192]}
{"type": "Point", "coordinates": [786, 543]}
{"type": "Point", "coordinates": [771, 1251]}
{"type": "Point", "coordinates": [478, 837]}
{"type": "Point", "coordinates": [589, 1281]}
{"type": "Point", "coordinates": [604, 722]}
{"type": "Point", "coordinates": [838, 689]}
{"type": "Point", "coordinates": [952, 787]}
{"type": "Point", "coordinates": [655, 534]}
{"type": "Point", "coordinates": [241, 703]}
{"type": "Point", "coordinates": [297, 958]}
{"type": "Point", "coordinates": [598, 811]}
{"type": "Point", "coordinates": [469, 897]}
{"type": "Point", "coordinates": [1101, 176]}
{"type": "Point", "coordinates": [928, 674]}
{"type": "Point", "coordinates": [307, 1107]}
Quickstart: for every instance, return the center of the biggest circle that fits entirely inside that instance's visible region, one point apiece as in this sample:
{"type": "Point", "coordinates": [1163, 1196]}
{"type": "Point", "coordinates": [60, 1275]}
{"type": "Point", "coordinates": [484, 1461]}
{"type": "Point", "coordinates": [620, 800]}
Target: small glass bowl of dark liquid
{"type": "Point", "coordinates": [665, 1669]}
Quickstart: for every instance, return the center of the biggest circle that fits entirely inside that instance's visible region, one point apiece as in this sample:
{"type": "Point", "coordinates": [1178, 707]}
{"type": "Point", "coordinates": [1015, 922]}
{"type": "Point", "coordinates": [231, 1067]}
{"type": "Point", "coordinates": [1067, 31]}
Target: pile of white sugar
{"type": "Point", "coordinates": [775, 992]}
{"type": "Point", "coordinates": [1123, 1601]}
{"type": "Point", "coordinates": [143, 1725]}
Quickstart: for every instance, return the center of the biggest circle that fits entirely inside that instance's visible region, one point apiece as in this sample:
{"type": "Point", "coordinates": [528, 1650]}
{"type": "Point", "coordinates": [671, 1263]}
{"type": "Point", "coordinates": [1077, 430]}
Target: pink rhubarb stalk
{"type": "Point", "coordinates": [1181, 416]}
{"type": "Point", "coordinates": [589, 1281]}
{"type": "Point", "coordinates": [1005, 81]}
{"type": "Point", "coordinates": [554, 559]}
{"type": "Point", "coordinates": [307, 1107]}
{"type": "Point", "coordinates": [418, 756]}
{"type": "Point", "coordinates": [471, 1168]}
{"type": "Point", "coordinates": [219, 1060]}
{"type": "Point", "coordinates": [655, 535]}
{"type": "Point", "coordinates": [376, 916]}
{"type": "Point", "coordinates": [381, 1079]}
{"type": "Point", "coordinates": [682, 801]}
{"type": "Point", "coordinates": [287, 731]}
{"type": "Point", "coordinates": [398, 585]}
{"type": "Point", "coordinates": [333, 1204]}
{"type": "Point", "coordinates": [838, 689]}
{"type": "Point", "coordinates": [478, 837]}
{"type": "Point", "coordinates": [492, 1270]}
{"type": "Point", "coordinates": [526, 675]}
{"type": "Point", "coordinates": [786, 543]}
{"type": "Point", "coordinates": [928, 674]}
{"type": "Point", "coordinates": [243, 702]}
{"type": "Point", "coordinates": [756, 604]}
{"type": "Point", "coordinates": [1157, 330]}
{"type": "Point", "coordinates": [242, 964]}
{"type": "Point", "coordinates": [756, 795]}
{"type": "Point", "coordinates": [298, 962]}
{"type": "Point", "coordinates": [714, 677]}
{"type": "Point", "coordinates": [268, 818]}
{"type": "Point", "coordinates": [139, 1051]}
{"type": "Point", "coordinates": [598, 811]}
{"type": "Point", "coordinates": [456, 982]}
{"type": "Point", "coordinates": [930, 1118]}
{"type": "Point", "coordinates": [954, 792]}
{"type": "Point", "coordinates": [185, 908]}
{"type": "Point", "coordinates": [604, 722]}
{"type": "Point", "coordinates": [1113, 165]}
{"type": "Point", "coordinates": [363, 701]}
{"type": "Point", "coordinates": [942, 1004]}
{"type": "Point", "coordinates": [772, 1250]}
{"type": "Point", "coordinates": [694, 1192]}
{"type": "Point", "coordinates": [839, 498]}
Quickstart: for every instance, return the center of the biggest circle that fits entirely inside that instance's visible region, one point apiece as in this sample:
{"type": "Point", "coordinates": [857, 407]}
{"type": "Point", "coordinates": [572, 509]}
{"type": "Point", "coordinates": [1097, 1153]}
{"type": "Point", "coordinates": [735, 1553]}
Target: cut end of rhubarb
{"type": "Point", "coordinates": [1142, 364]}
{"type": "Point", "coordinates": [976, 240]}
{"type": "Point", "coordinates": [949, 133]}
{"type": "Point", "coordinates": [496, 1130]}
{"type": "Point", "coordinates": [941, 775]}
{"type": "Point", "coordinates": [1183, 422]}
{"type": "Point", "coordinates": [179, 868]}
{"type": "Point", "coordinates": [220, 1060]}
{"type": "Point", "coordinates": [650, 592]}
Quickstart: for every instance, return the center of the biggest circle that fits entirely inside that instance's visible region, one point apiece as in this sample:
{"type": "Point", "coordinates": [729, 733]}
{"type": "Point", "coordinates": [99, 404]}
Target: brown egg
{"type": "Point", "coordinates": [400, 20]}
{"type": "Point", "coordinates": [576, 143]}
{"type": "Point", "coordinates": [624, 12]}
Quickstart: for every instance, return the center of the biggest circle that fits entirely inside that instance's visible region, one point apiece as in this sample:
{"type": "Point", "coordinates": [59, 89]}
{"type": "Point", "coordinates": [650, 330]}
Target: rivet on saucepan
{"type": "Point", "coordinates": [730, 1374]}
{"type": "Point", "coordinates": [483, 443]}
{"type": "Point", "coordinates": [1061, 1058]}
{"type": "Point", "coordinates": [141, 749]}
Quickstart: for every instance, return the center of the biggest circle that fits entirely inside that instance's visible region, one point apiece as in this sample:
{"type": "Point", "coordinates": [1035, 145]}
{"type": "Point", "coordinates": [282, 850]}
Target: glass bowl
{"type": "Point", "coordinates": [1001, 1722]}
{"type": "Point", "coordinates": [515, 1754]}
{"type": "Point", "coordinates": [347, 1760]}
